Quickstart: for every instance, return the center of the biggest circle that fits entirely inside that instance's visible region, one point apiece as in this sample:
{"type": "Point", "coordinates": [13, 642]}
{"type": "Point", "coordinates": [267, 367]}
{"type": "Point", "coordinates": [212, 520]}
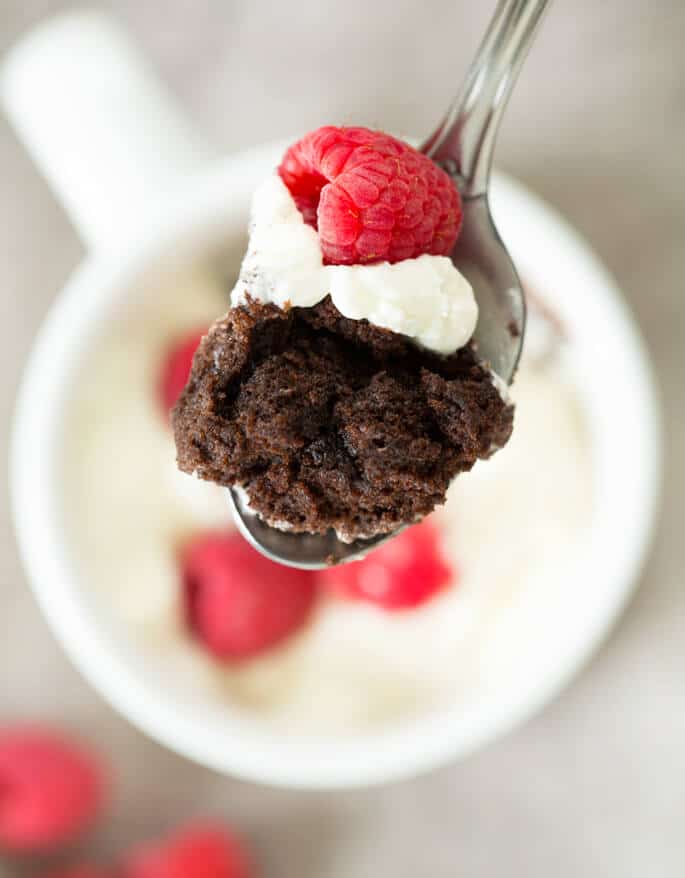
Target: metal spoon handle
{"type": "Point", "coordinates": [465, 140]}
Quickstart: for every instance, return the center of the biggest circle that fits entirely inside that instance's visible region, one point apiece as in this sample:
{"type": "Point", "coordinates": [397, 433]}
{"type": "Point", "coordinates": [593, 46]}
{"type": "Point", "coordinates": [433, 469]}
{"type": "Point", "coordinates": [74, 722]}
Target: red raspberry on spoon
{"type": "Point", "coordinates": [239, 603]}
{"type": "Point", "coordinates": [50, 789]}
{"type": "Point", "coordinates": [371, 197]}
{"type": "Point", "coordinates": [201, 851]}
{"type": "Point", "coordinates": [405, 572]}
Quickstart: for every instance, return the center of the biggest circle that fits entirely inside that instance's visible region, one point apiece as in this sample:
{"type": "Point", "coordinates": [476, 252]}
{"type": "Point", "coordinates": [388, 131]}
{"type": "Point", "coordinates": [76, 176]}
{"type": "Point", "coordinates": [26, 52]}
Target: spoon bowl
{"type": "Point", "coordinates": [483, 259]}
{"type": "Point", "coordinates": [305, 551]}
{"type": "Point", "coordinates": [463, 145]}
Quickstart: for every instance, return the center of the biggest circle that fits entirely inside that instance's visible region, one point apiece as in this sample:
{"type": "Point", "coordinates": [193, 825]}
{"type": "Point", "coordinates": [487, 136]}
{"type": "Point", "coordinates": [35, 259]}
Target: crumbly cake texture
{"type": "Point", "coordinates": [328, 422]}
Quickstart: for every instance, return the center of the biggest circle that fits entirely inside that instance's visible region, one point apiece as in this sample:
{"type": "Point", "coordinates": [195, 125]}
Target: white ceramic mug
{"type": "Point", "coordinates": [143, 192]}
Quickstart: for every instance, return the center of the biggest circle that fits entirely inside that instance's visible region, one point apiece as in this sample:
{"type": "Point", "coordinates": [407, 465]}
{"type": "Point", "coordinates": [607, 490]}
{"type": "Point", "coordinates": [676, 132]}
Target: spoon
{"type": "Point", "coordinates": [463, 145]}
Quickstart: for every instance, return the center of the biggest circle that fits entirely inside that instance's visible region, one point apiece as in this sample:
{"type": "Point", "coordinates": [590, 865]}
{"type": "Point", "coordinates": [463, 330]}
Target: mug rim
{"type": "Point", "coordinates": [370, 758]}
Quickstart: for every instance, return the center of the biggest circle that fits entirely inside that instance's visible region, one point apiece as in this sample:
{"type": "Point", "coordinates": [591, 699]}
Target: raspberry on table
{"type": "Point", "coordinates": [406, 572]}
{"type": "Point", "coordinates": [371, 196]}
{"type": "Point", "coordinates": [240, 604]}
{"type": "Point", "coordinates": [50, 789]}
{"type": "Point", "coordinates": [175, 370]}
{"type": "Point", "coordinates": [199, 851]}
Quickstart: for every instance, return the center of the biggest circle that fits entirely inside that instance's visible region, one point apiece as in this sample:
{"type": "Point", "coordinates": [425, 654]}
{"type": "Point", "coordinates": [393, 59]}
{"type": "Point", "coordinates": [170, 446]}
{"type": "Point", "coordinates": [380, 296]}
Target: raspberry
{"type": "Point", "coordinates": [404, 573]}
{"type": "Point", "coordinates": [238, 602]}
{"type": "Point", "coordinates": [49, 789]}
{"type": "Point", "coordinates": [175, 370]}
{"type": "Point", "coordinates": [200, 851]}
{"type": "Point", "coordinates": [371, 196]}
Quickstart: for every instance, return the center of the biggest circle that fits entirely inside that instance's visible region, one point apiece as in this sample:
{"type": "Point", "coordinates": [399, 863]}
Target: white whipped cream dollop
{"type": "Point", "coordinates": [425, 298]}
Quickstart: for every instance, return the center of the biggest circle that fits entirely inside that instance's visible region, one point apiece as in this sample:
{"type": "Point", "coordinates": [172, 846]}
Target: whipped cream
{"type": "Point", "coordinates": [425, 298]}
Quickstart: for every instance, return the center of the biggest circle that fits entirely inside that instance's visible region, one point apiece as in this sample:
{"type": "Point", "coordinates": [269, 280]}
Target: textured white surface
{"type": "Point", "coordinates": [593, 786]}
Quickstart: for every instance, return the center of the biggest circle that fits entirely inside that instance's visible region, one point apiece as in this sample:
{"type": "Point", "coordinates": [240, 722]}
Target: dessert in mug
{"type": "Point", "coordinates": [342, 389]}
{"type": "Point", "coordinates": [424, 621]}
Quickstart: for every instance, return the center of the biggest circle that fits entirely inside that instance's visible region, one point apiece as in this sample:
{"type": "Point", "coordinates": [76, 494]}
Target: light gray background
{"type": "Point", "coordinates": [595, 786]}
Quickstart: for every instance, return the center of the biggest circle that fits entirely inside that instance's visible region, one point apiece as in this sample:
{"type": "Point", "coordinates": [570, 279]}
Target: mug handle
{"type": "Point", "coordinates": [104, 131]}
